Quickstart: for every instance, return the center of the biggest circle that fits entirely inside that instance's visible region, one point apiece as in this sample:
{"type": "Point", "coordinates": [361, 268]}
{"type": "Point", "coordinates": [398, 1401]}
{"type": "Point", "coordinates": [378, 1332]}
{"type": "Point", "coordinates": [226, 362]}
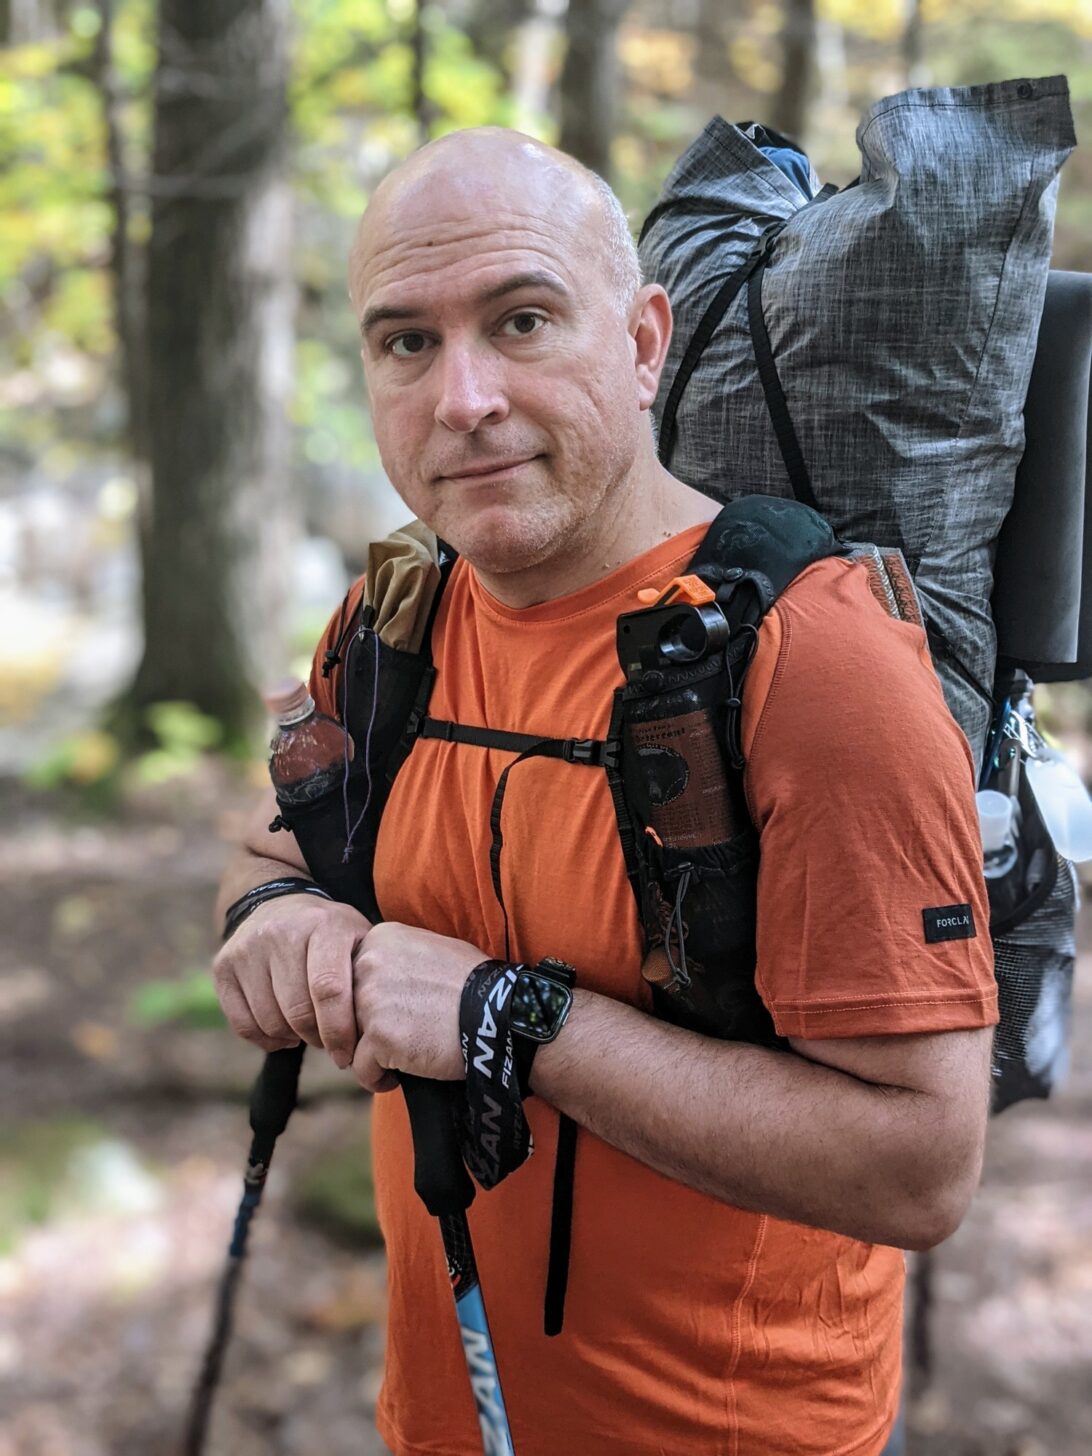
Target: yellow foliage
{"type": "Point", "coordinates": [659, 60]}
{"type": "Point", "coordinates": [756, 62]}
{"type": "Point", "coordinates": [885, 20]}
{"type": "Point", "coordinates": [880, 19]}
{"type": "Point", "coordinates": [30, 62]}
{"type": "Point", "coordinates": [93, 756]}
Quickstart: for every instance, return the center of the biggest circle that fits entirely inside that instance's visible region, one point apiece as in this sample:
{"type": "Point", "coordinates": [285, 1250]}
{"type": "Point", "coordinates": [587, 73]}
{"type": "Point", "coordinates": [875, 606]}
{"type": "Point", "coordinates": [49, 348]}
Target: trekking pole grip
{"type": "Point", "coordinates": [439, 1173]}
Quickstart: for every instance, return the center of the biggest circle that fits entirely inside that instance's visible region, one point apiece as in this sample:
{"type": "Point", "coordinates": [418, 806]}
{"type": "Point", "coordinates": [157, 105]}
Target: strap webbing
{"type": "Point", "coordinates": [612, 763]}
{"type": "Point", "coordinates": [572, 750]}
{"type": "Point", "coordinates": [776, 403]}
{"type": "Point", "coordinates": [561, 1227]}
{"type": "Point", "coordinates": [707, 327]}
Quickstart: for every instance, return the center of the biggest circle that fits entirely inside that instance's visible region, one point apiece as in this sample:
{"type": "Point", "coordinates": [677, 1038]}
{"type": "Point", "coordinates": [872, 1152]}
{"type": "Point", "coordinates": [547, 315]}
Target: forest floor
{"type": "Point", "coordinates": [123, 1147]}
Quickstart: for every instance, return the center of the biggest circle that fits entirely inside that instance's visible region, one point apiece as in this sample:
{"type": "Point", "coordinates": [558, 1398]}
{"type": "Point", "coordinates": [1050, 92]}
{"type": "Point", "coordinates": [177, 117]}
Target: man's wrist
{"type": "Point", "coordinates": [551, 1059]}
{"type": "Point", "coordinates": [242, 908]}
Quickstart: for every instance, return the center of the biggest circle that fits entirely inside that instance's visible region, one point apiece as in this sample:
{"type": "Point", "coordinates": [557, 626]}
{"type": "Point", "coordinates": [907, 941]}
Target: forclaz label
{"type": "Point", "coordinates": [948, 922]}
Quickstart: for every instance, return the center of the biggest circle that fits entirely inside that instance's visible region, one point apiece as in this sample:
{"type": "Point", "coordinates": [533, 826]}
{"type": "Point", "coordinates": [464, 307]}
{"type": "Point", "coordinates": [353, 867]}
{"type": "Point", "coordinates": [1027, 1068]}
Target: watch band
{"type": "Point", "coordinates": [541, 1001]}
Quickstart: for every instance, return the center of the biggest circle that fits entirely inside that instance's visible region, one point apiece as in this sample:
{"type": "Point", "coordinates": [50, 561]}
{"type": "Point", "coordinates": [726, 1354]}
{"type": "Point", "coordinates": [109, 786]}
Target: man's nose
{"type": "Point", "coordinates": [472, 388]}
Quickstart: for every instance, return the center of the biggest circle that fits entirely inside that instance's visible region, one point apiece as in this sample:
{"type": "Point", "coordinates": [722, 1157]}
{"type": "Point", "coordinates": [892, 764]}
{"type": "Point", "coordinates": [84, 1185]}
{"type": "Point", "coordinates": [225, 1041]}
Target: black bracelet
{"type": "Point", "coordinates": [272, 890]}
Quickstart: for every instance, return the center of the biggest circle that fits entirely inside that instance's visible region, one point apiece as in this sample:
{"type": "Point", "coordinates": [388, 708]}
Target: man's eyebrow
{"type": "Point", "coordinates": [387, 313]}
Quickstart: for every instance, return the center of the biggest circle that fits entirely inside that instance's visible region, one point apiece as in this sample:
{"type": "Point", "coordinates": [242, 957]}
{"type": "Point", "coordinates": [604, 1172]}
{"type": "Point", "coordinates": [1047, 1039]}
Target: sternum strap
{"type": "Point", "coordinates": [573, 750]}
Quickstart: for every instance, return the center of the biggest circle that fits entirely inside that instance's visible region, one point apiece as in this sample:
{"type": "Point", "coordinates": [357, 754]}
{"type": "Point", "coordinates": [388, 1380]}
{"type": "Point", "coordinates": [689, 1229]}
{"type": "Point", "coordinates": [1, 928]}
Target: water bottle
{"type": "Point", "coordinates": [308, 754]}
{"type": "Point", "coordinates": [996, 818]}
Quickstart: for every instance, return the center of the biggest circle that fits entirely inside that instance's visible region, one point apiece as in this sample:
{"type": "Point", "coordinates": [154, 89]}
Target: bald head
{"type": "Point", "coordinates": [494, 173]}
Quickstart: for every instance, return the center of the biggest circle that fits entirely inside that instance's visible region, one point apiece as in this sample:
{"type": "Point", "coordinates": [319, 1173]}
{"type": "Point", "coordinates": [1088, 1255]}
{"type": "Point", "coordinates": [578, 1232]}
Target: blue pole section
{"type": "Point", "coordinates": [481, 1363]}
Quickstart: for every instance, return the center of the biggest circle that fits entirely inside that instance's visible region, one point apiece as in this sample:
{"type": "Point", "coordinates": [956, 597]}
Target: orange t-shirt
{"type": "Point", "coordinates": [690, 1326]}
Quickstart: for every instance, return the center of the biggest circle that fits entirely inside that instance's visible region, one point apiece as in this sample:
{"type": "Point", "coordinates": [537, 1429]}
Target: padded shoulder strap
{"type": "Point", "coordinates": [764, 540]}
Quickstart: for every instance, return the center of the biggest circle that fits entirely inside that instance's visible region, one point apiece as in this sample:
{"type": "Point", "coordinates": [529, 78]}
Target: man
{"type": "Point", "coordinates": [735, 1280]}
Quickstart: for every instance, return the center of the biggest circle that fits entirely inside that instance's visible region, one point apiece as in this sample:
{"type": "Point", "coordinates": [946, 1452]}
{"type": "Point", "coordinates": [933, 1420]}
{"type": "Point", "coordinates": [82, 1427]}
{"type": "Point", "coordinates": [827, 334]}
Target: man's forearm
{"type": "Point", "coordinates": [764, 1130]}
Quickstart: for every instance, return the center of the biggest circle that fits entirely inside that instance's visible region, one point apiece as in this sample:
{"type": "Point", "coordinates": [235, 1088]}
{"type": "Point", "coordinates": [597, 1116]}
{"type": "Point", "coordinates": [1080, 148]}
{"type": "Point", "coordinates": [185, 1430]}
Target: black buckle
{"type": "Point", "coordinates": [581, 750]}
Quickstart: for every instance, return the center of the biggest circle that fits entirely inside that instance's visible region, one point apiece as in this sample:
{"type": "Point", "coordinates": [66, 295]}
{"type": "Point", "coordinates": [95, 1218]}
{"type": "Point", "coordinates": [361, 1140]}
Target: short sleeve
{"type": "Point", "coordinates": [872, 909]}
{"type": "Point", "coordinates": [326, 689]}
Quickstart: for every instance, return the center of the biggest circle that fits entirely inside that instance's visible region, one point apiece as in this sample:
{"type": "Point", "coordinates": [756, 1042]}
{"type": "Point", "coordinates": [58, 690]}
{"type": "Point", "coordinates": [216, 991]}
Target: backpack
{"type": "Point", "coordinates": [910, 434]}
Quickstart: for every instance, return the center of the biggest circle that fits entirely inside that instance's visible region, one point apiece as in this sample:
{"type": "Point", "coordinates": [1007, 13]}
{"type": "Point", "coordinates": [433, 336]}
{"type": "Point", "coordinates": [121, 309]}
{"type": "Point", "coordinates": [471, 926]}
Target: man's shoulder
{"type": "Point", "coordinates": [831, 657]}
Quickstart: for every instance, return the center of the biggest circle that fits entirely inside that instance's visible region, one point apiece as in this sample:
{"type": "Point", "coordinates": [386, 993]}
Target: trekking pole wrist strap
{"type": "Point", "coordinates": [246, 904]}
{"type": "Point", "coordinates": [493, 1132]}
{"type": "Point", "coordinates": [507, 1011]}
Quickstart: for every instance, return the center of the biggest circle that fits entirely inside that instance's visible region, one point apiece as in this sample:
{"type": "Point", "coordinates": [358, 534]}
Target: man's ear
{"type": "Point", "coordinates": [650, 329]}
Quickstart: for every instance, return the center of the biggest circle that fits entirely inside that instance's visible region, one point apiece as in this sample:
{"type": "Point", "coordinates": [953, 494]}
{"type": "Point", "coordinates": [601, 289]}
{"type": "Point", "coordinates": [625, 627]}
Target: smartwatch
{"type": "Point", "coordinates": [541, 1001]}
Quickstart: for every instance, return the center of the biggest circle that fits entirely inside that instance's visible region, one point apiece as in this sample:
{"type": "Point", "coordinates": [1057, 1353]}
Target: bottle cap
{"type": "Point", "coordinates": [288, 698]}
{"type": "Point", "coordinates": [995, 818]}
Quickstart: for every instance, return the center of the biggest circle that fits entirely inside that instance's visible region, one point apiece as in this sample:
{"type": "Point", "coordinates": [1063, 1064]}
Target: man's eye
{"type": "Point", "coordinates": [522, 324]}
{"type": "Point", "coordinates": [405, 346]}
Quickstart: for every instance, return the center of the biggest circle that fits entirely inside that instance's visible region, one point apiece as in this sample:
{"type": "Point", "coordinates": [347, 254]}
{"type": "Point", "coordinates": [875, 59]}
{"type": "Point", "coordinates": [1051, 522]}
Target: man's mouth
{"type": "Point", "coordinates": [483, 470]}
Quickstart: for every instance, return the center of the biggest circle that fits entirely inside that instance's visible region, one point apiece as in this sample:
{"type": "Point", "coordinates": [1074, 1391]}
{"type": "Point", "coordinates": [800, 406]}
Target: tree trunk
{"type": "Point", "coordinates": [589, 82]}
{"type": "Point", "coordinates": [913, 45]}
{"type": "Point", "coordinates": [792, 107]}
{"type": "Point", "coordinates": [419, 102]}
{"type": "Point", "coordinates": [219, 342]}
{"type": "Point", "coordinates": [532, 50]}
{"type": "Point", "coordinates": [492, 27]}
{"type": "Point", "coordinates": [128, 263]}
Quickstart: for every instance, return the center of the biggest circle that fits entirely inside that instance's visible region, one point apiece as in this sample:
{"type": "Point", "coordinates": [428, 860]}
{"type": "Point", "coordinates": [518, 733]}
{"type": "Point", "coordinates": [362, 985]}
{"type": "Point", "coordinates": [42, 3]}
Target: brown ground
{"type": "Point", "coordinates": [106, 1283]}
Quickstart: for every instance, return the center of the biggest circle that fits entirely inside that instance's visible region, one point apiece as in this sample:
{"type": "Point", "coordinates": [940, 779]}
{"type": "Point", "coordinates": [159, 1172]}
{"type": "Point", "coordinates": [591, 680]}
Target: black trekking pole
{"type": "Point", "coordinates": [440, 1177]}
{"type": "Point", "coordinates": [272, 1101]}
{"type": "Point", "coordinates": [444, 1186]}
{"type": "Point", "coordinates": [441, 1182]}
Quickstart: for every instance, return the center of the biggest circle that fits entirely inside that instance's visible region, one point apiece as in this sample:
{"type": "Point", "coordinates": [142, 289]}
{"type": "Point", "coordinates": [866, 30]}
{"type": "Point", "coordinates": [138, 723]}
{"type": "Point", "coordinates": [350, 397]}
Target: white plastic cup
{"type": "Point", "coordinates": [995, 819]}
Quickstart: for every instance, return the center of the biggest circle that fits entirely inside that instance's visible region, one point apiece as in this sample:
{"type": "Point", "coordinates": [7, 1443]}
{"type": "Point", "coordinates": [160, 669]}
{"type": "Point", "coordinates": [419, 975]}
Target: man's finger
{"type": "Point", "coordinates": [293, 999]}
{"type": "Point", "coordinates": [330, 983]}
{"type": "Point", "coordinates": [369, 1073]}
{"type": "Point", "coordinates": [273, 1030]}
{"type": "Point", "coordinates": [235, 1006]}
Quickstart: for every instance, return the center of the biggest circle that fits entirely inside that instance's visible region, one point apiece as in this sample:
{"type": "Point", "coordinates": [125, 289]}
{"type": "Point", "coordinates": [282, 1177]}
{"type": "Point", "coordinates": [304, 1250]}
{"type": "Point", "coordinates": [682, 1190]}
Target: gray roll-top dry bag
{"type": "Point", "coordinates": [900, 316]}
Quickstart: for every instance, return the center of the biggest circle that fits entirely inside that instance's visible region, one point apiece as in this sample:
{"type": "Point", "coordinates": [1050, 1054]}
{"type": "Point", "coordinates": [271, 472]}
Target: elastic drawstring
{"type": "Point", "coordinates": [733, 723]}
{"type": "Point", "coordinates": [351, 832]}
{"type": "Point", "coordinates": [676, 928]}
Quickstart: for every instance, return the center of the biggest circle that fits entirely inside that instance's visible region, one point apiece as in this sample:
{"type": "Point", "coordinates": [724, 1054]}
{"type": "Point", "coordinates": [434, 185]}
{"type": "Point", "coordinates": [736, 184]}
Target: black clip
{"type": "Point", "coordinates": [581, 750]}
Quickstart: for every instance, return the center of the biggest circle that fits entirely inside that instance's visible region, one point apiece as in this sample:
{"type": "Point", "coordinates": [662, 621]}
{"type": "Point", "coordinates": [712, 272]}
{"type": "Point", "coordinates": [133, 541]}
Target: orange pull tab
{"type": "Point", "coordinates": [681, 589]}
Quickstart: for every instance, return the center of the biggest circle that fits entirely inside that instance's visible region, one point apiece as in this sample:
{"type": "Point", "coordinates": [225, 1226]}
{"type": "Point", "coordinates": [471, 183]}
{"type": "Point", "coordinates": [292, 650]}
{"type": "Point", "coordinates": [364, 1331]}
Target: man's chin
{"type": "Point", "coordinates": [500, 540]}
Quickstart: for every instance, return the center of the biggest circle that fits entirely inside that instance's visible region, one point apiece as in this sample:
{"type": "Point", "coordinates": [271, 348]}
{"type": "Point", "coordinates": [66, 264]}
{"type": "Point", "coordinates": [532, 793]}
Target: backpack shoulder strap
{"type": "Point", "coordinates": [763, 542]}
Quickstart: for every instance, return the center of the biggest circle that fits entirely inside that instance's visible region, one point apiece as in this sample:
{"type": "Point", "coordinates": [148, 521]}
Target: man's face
{"type": "Point", "coordinates": [500, 369]}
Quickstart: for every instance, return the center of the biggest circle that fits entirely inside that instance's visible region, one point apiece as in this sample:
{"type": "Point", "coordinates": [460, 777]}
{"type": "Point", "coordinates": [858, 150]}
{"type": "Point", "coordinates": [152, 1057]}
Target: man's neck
{"type": "Point", "coordinates": [641, 516]}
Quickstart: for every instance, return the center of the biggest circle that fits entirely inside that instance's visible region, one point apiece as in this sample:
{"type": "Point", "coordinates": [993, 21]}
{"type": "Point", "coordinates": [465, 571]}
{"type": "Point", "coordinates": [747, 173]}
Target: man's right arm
{"type": "Point", "coordinates": [286, 974]}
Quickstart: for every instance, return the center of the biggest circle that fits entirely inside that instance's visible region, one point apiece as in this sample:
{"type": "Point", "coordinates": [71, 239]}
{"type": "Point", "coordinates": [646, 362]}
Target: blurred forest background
{"type": "Point", "coordinates": [188, 482]}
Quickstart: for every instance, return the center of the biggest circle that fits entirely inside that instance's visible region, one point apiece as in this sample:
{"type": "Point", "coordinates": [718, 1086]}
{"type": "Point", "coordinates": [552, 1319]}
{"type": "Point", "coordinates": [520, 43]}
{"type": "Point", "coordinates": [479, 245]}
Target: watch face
{"type": "Point", "coordinates": [539, 1006]}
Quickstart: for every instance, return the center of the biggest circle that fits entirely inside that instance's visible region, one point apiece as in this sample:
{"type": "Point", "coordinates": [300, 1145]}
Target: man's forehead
{"type": "Point", "coordinates": [438, 216]}
{"type": "Point", "coordinates": [474, 256]}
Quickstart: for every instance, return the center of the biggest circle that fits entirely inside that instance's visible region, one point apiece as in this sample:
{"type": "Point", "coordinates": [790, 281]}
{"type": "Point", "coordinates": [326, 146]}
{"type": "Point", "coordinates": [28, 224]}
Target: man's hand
{"type": "Point", "coordinates": [407, 984]}
{"type": "Point", "coordinates": [286, 975]}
